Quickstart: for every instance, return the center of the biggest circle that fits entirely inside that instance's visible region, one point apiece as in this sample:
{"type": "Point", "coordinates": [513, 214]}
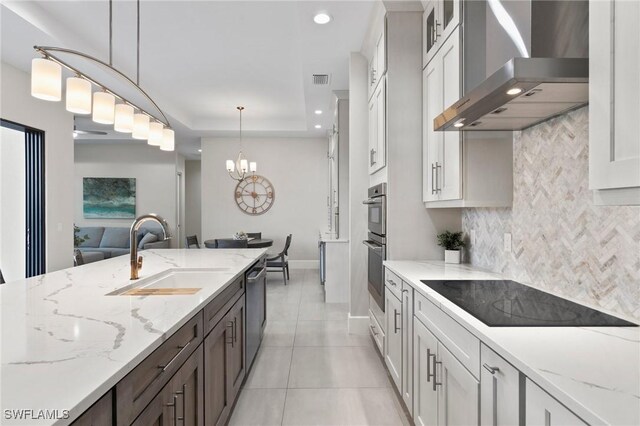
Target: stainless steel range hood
{"type": "Point", "coordinates": [548, 75]}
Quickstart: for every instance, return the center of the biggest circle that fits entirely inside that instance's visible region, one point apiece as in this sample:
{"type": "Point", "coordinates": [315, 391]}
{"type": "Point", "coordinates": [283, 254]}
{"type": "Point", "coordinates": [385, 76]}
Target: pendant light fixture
{"type": "Point", "coordinates": [238, 169]}
{"type": "Point", "coordinates": [46, 79]}
{"type": "Point", "coordinates": [78, 95]}
{"type": "Point", "coordinates": [46, 84]}
{"type": "Point", "coordinates": [123, 122]}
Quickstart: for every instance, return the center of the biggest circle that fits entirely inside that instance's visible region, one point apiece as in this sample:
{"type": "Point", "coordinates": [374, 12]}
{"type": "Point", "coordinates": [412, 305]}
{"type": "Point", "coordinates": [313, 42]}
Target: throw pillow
{"type": "Point", "coordinates": [148, 238]}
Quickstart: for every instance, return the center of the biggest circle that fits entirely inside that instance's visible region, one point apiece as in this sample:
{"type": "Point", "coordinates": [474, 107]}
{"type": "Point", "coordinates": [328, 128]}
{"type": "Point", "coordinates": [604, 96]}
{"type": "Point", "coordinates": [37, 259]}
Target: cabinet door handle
{"type": "Point", "coordinates": [495, 401]}
{"type": "Point", "coordinates": [490, 369]}
{"type": "Point", "coordinates": [435, 31]}
{"type": "Point", "coordinates": [182, 393]}
{"type": "Point", "coordinates": [174, 408]}
{"type": "Point", "coordinates": [182, 349]}
{"type": "Point", "coordinates": [438, 168]}
{"type": "Point", "coordinates": [372, 156]}
{"type": "Point", "coordinates": [395, 321]}
{"type": "Point", "coordinates": [429, 373]}
{"type": "Point", "coordinates": [547, 418]}
{"type": "Point", "coordinates": [435, 373]}
{"type": "Point", "coordinates": [433, 179]}
{"type": "Point", "coordinates": [235, 329]}
{"type": "Point", "coordinates": [373, 76]}
{"type": "Point", "coordinates": [230, 339]}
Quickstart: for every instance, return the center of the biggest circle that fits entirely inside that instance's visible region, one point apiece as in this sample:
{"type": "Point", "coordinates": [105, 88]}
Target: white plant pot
{"type": "Point", "coordinates": [452, 256]}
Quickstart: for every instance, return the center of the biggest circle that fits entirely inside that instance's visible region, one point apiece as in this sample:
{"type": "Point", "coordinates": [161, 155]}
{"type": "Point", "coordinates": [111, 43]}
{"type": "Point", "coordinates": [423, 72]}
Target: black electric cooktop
{"type": "Point", "coordinates": [500, 303]}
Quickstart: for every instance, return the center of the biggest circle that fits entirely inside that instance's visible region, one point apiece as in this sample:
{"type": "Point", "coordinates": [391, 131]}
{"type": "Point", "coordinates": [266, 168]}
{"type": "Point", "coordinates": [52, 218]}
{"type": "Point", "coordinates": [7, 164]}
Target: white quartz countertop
{"type": "Point", "coordinates": [594, 371]}
{"type": "Point", "coordinates": [64, 343]}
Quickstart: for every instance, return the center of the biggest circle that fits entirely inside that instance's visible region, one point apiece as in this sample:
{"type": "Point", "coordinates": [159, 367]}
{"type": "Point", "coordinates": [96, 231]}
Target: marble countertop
{"type": "Point", "coordinates": [594, 371]}
{"type": "Point", "coordinates": [64, 343]}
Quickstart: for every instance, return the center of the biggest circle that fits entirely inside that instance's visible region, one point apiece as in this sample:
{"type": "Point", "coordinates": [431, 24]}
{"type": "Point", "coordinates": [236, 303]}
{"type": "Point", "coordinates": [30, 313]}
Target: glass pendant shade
{"type": "Point", "coordinates": [155, 134]}
{"type": "Point", "coordinates": [230, 166]}
{"type": "Point", "coordinates": [244, 165]}
{"type": "Point", "coordinates": [103, 107]}
{"type": "Point", "coordinates": [124, 119]}
{"type": "Point", "coordinates": [46, 79]}
{"type": "Point", "coordinates": [253, 167]}
{"type": "Point", "coordinates": [78, 96]}
{"type": "Point", "coordinates": [168, 140]}
{"type": "Point", "coordinates": [140, 126]}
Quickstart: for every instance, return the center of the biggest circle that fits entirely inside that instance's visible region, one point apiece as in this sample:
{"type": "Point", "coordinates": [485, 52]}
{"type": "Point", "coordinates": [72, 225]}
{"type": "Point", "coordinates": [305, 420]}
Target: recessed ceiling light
{"type": "Point", "coordinates": [458, 125]}
{"type": "Point", "coordinates": [318, 111]}
{"type": "Point", "coordinates": [514, 91]}
{"type": "Point", "coordinates": [199, 150]}
{"type": "Point", "coordinates": [317, 126]}
{"type": "Point", "coordinates": [322, 18]}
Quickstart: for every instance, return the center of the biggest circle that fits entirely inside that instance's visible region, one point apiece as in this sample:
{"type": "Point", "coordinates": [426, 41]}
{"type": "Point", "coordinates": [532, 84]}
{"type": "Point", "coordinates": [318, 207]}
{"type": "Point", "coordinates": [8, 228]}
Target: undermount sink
{"type": "Point", "coordinates": [170, 283]}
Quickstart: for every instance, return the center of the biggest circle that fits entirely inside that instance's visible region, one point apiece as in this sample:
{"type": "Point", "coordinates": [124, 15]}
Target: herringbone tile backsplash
{"type": "Point", "coordinates": [561, 241]}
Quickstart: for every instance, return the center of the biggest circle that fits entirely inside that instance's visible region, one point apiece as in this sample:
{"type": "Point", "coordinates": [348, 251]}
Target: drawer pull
{"type": "Point", "coordinates": [392, 282]}
{"type": "Point", "coordinates": [373, 330]}
{"type": "Point", "coordinates": [490, 369]}
{"type": "Point", "coordinates": [182, 349]}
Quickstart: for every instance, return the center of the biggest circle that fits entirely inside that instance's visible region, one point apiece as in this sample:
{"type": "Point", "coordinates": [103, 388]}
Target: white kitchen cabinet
{"type": "Point", "coordinates": [614, 101]}
{"type": "Point", "coordinates": [377, 128]}
{"type": "Point", "coordinates": [378, 61]}
{"type": "Point", "coordinates": [393, 338]}
{"type": "Point", "coordinates": [425, 347]}
{"type": "Point", "coordinates": [544, 410]}
{"type": "Point", "coordinates": [445, 392]}
{"type": "Point", "coordinates": [458, 391]}
{"type": "Point", "coordinates": [439, 20]}
{"type": "Point", "coordinates": [407, 345]}
{"type": "Point", "coordinates": [442, 151]}
{"type": "Point", "coordinates": [499, 391]}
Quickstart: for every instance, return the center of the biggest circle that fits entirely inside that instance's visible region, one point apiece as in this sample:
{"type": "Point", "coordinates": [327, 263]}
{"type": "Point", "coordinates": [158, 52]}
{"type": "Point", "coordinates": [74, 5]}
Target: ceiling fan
{"type": "Point", "coordinates": [77, 132]}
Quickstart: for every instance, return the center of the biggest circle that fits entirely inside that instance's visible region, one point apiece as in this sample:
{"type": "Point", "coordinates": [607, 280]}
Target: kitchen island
{"type": "Point", "coordinates": [66, 343]}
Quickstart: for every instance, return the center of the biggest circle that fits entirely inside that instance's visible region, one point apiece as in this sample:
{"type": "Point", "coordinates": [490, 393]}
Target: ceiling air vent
{"type": "Point", "coordinates": [321, 79]}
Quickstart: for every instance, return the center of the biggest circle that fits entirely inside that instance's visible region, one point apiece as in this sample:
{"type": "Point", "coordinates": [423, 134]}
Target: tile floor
{"type": "Point", "coordinates": [309, 369]}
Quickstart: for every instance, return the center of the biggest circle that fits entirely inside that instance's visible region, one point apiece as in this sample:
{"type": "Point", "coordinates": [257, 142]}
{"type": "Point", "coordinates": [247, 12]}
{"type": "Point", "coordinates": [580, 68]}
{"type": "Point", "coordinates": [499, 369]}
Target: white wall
{"type": "Point", "coordinates": [17, 105]}
{"type": "Point", "coordinates": [296, 167]}
{"type": "Point", "coordinates": [193, 196]}
{"type": "Point", "coordinates": [12, 198]}
{"type": "Point", "coordinates": [154, 170]}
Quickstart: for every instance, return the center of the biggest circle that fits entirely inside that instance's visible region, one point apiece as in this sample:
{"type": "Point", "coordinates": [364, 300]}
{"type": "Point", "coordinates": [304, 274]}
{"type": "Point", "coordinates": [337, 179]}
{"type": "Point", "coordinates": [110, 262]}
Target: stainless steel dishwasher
{"type": "Point", "coordinates": [256, 298]}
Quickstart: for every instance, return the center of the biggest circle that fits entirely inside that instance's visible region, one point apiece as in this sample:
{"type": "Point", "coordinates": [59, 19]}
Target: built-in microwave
{"type": "Point", "coordinates": [377, 209]}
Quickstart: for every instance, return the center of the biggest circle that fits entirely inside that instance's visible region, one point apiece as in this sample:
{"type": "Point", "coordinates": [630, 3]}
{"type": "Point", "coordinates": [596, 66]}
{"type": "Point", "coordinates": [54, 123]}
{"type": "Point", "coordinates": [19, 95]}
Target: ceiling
{"type": "Point", "coordinates": [201, 59]}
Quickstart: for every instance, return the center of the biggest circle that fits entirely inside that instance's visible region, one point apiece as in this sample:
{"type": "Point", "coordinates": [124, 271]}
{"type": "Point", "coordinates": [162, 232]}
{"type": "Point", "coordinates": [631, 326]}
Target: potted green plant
{"type": "Point", "coordinates": [452, 243]}
{"type": "Point", "coordinates": [77, 239]}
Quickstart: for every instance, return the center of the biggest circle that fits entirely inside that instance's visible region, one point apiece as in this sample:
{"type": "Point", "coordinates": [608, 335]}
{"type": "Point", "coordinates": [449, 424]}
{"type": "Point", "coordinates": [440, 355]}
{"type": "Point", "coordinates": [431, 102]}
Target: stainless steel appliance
{"type": "Point", "coordinates": [256, 299]}
{"type": "Point", "coordinates": [504, 303]}
{"type": "Point", "coordinates": [377, 243]}
{"type": "Point", "coordinates": [525, 62]}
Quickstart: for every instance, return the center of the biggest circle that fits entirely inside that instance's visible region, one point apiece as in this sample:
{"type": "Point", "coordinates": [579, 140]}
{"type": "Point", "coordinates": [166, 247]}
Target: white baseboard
{"type": "Point", "coordinates": [304, 264]}
{"type": "Point", "coordinates": [358, 325]}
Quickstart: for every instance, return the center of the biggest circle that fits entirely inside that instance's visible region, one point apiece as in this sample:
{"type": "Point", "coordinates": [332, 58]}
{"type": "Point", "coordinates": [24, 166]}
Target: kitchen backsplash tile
{"type": "Point", "coordinates": [561, 241]}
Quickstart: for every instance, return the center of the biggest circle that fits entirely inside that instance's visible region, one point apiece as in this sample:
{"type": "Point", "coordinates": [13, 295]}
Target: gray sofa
{"type": "Point", "coordinates": [106, 242]}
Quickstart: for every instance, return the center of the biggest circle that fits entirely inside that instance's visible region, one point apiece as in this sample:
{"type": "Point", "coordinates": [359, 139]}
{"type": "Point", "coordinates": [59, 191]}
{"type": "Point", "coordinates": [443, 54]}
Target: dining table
{"type": "Point", "coordinates": [251, 243]}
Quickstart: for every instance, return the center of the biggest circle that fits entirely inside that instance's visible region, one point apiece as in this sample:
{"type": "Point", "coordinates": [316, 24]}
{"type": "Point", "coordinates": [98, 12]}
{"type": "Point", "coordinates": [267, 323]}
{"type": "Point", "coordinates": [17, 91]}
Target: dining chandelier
{"type": "Point", "coordinates": [239, 169]}
{"type": "Point", "coordinates": [105, 105]}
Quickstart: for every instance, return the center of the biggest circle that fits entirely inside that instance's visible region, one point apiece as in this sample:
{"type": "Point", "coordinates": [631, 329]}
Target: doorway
{"type": "Point", "coordinates": [22, 201]}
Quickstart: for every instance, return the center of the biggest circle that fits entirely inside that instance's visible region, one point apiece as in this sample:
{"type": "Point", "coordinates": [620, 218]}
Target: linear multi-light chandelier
{"type": "Point", "coordinates": [105, 105]}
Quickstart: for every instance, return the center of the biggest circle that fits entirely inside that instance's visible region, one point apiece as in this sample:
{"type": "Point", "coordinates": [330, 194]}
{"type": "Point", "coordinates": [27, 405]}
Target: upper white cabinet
{"type": "Point", "coordinates": [439, 20]}
{"type": "Point", "coordinates": [614, 98]}
{"type": "Point", "coordinates": [378, 61]}
{"type": "Point", "coordinates": [459, 169]}
{"type": "Point", "coordinates": [442, 150]}
{"type": "Point", "coordinates": [377, 128]}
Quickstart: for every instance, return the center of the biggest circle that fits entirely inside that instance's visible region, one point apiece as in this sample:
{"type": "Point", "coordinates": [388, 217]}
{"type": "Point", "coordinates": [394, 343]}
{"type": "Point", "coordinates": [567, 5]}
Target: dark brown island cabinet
{"type": "Point", "coordinates": [192, 379]}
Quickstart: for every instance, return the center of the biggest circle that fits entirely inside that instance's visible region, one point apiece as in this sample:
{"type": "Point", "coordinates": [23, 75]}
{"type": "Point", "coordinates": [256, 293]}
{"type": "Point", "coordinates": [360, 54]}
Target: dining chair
{"type": "Point", "coordinates": [192, 241]}
{"type": "Point", "coordinates": [1, 277]}
{"type": "Point", "coordinates": [280, 262]}
{"type": "Point", "coordinates": [77, 258]}
{"type": "Point", "coordinates": [257, 235]}
{"type": "Point", "coordinates": [230, 243]}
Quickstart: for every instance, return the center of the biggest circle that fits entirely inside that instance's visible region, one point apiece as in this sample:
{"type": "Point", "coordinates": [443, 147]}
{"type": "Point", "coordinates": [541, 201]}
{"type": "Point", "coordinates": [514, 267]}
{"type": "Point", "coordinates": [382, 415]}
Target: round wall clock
{"type": "Point", "coordinates": [254, 195]}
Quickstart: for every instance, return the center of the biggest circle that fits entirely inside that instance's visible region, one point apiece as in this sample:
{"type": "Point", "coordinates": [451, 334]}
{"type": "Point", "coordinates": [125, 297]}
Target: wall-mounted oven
{"type": "Point", "coordinates": [376, 242]}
